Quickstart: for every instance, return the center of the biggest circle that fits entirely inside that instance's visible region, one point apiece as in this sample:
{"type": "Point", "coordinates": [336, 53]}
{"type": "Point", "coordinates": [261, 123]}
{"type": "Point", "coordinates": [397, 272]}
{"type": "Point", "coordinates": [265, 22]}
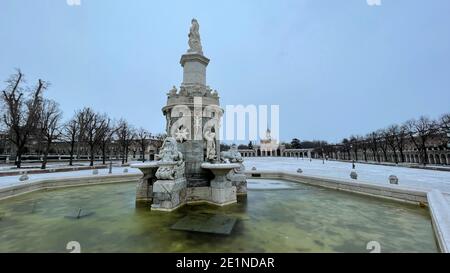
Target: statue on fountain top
{"type": "Point", "coordinates": [195, 44]}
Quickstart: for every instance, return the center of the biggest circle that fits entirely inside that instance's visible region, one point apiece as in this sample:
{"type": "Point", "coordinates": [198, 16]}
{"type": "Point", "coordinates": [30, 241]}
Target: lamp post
{"type": "Point", "coordinates": [353, 161]}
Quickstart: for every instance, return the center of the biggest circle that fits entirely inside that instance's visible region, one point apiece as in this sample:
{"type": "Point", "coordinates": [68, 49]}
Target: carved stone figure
{"type": "Point", "coordinates": [215, 94]}
{"type": "Point", "coordinates": [210, 138]}
{"type": "Point", "coordinates": [231, 155]}
{"type": "Point", "coordinates": [197, 124]}
{"type": "Point", "coordinates": [170, 171]}
{"type": "Point", "coordinates": [169, 151]}
{"type": "Point", "coordinates": [195, 44]}
{"type": "Point", "coordinates": [172, 91]}
{"type": "Point", "coordinates": [170, 161]}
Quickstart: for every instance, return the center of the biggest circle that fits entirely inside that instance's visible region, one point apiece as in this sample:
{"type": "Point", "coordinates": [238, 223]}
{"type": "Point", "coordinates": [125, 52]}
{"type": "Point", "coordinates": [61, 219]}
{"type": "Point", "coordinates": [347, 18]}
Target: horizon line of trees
{"type": "Point", "coordinates": [417, 133]}
{"type": "Point", "coordinates": [28, 116]}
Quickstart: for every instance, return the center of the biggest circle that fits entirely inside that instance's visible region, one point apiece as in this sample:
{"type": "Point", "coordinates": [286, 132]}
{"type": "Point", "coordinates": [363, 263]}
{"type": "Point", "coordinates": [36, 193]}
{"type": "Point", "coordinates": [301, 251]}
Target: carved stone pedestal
{"type": "Point", "coordinates": [222, 190]}
{"type": "Point", "coordinates": [168, 195]}
{"type": "Point", "coordinates": [237, 175]}
{"type": "Point", "coordinates": [144, 188]}
{"type": "Point", "coordinates": [169, 191]}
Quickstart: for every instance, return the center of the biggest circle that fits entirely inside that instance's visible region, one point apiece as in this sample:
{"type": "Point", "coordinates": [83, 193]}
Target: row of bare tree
{"type": "Point", "coordinates": [417, 133]}
{"type": "Point", "coordinates": [28, 116]}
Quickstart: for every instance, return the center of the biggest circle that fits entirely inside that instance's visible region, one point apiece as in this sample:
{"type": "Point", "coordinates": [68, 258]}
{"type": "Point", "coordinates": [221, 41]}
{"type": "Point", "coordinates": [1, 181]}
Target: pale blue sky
{"type": "Point", "coordinates": [335, 67]}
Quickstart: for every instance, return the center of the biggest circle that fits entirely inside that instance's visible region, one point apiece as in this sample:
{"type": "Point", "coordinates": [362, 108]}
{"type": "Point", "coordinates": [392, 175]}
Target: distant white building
{"type": "Point", "coordinates": [271, 147]}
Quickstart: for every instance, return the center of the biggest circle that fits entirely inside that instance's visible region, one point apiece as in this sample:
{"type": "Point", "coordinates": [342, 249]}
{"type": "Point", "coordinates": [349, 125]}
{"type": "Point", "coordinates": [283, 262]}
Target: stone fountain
{"type": "Point", "coordinates": [190, 167]}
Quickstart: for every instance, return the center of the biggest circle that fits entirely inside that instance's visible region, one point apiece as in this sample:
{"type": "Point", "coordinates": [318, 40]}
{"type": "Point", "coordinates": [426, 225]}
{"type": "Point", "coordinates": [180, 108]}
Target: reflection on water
{"type": "Point", "coordinates": [286, 218]}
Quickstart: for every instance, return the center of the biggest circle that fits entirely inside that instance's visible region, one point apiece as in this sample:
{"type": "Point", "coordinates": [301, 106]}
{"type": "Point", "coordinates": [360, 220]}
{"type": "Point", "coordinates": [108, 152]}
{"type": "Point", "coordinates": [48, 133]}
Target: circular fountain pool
{"type": "Point", "coordinates": [276, 216]}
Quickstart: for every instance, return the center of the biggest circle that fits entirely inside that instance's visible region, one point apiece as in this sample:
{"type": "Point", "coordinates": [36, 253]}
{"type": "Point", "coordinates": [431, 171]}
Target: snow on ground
{"type": "Point", "coordinates": [418, 178]}
{"type": "Point", "coordinates": [50, 165]}
{"type": "Point", "coordinates": [379, 174]}
{"type": "Point", "coordinates": [12, 180]}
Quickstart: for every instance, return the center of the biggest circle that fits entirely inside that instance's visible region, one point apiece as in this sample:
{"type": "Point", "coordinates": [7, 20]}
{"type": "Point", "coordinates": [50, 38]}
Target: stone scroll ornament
{"type": "Point", "coordinates": [195, 44]}
{"type": "Point", "coordinates": [170, 160]}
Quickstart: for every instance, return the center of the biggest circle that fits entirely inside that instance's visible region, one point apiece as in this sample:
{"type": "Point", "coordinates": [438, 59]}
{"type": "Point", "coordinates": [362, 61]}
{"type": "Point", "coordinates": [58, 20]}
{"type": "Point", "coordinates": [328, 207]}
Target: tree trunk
{"type": "Point", "coordinates": [18, 158]}
{"type": "Point", "coordinates": [385, 155]}
{"type": "Point", "coordinates": [402, 156]}
{"type": "Point", "coordinates": [92, 156]}
{"type": "Point", "coordinates": [44, 161]}
{"type": "Point", "coordinates": [72, 147]}
{"type": "Point", "coordinates": [45, 158]}
{"type": "Point", "coordinates": [104, 153]}
{"type": "Point", "coordinates": [424, 152]}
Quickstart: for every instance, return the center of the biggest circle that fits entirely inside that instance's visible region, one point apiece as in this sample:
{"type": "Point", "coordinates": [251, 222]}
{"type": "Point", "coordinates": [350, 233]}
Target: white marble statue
{"type": "Point", "coordinates": [232, 155]}
{"type": "Point", "coordinates": [210, 138]}
{"type": "Point", "coordinates": [195, 44]}
{"type": "Point", "coordinates": [171, 161]}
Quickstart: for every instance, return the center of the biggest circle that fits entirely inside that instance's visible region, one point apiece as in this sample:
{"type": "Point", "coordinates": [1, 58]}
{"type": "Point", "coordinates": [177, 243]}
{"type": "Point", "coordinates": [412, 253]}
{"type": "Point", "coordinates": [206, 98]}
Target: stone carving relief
{"type": "Point", "coordinates": [170, 160]}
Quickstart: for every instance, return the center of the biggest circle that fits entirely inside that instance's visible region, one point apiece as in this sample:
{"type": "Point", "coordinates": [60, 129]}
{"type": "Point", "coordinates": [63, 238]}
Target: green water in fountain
{"type": "Point", "coordinates": [287, 217]}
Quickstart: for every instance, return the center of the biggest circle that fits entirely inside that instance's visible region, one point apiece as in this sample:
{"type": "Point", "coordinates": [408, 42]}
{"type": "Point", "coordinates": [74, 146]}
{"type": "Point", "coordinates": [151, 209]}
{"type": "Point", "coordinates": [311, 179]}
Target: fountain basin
{"type": "Point", "coordinates": [222, 190]}
{"type": "Point", "coordinates": [269, 221]}
{"type": "Point", "coordinates": [220, 171]}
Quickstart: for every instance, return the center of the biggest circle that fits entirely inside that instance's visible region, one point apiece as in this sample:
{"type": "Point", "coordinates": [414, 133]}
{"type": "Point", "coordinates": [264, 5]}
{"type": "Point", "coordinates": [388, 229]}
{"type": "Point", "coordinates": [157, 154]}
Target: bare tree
{"type": "Point", "coordinates": [107, 134]}
{"type": "Point", "coordinates": [382, 143]}
{"type": "Point", "coordinates": [346, 147]}
{"type": "Point", "coordinates": [391, 138]}
{"type": "Point", "coordinates": [71, 133]}
{"type": "Point", "coordinates": [400, 139]}
{"type": "Point", "coordinates": [93, 130]}
{"type": "Point", "coordinates": [21, 111]}
{"type": "Point", "coordinates": [444, 122]}
{"type": "Point", "coordinates": [364, 145]}
{"type": "Point", "coordinates": [143, 136]}
{"type": "Point", "coordinates": [373, 145]}
{"type": "Point", "coordinates": [419, 132]}
{"type": "Point", "coordinates": [126, 135]}
{"type": "Point", "coordinates": [49, 126]}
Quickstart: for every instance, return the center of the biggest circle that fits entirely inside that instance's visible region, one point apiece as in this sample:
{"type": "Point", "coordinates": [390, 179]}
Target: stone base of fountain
{"type": "Point", "coordinates": [168, 195]}
{"type": "Point", "coordinates": [239, 180]}
{"type": "Point", "coordinates": [144, 188]}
